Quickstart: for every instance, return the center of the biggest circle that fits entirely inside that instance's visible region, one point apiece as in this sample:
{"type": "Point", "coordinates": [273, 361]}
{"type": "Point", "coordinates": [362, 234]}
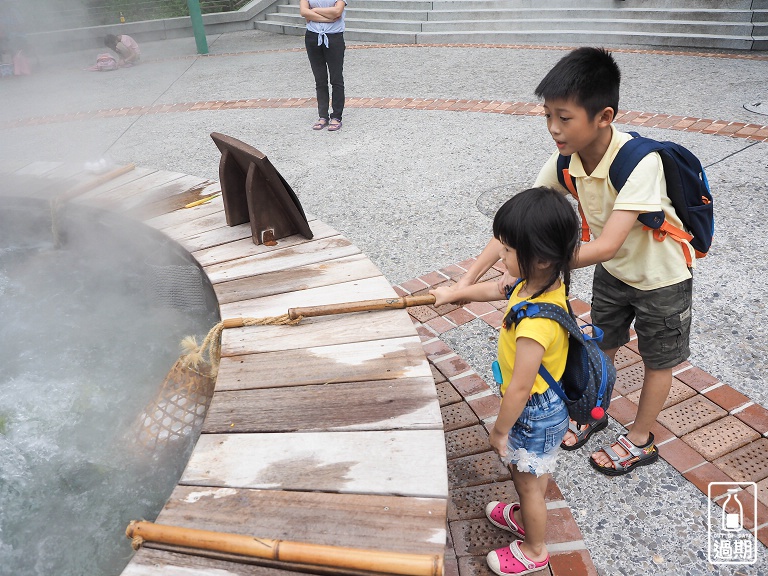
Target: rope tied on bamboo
{"type": "Point", "coordinates": [209, 352]}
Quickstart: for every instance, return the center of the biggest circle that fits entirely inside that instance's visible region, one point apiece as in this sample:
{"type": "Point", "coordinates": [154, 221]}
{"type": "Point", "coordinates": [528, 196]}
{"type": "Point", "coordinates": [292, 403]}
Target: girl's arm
{"type": "Point", "coordinates": [334, 12]}
{"type": "Point", "coordinates": [483, 292]}
{"type": "Point", "coordinates": [487, 258]}
{"type": "Point", "coordinates": [127, 54]}
{"type": "Point", "coordinates": [527, 361]}
{"type": "Point", "coordinates": [310, 15]}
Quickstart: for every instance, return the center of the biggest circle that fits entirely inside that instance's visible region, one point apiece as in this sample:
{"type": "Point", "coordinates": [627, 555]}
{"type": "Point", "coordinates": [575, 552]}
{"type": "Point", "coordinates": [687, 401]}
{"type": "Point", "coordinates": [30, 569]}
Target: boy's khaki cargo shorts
{"type": "Point", "coordinates": [662, 318]}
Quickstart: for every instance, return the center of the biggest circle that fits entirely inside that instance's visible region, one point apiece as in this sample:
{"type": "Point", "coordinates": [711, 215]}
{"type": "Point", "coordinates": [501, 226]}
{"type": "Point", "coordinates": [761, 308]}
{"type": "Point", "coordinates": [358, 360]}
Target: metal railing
{"type": "Point", "coordinates": [43, 15]}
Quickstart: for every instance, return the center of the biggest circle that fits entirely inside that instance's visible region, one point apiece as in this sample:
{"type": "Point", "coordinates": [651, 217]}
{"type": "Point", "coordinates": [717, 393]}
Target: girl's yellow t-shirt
{"type": "Point", "coordinates": [548, 333]}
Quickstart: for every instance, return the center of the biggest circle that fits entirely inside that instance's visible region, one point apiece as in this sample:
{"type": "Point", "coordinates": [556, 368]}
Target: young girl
{"type": "Point", "coordinates": [539, 233]}
{"type": "Point", "coordinates": [125, 47]}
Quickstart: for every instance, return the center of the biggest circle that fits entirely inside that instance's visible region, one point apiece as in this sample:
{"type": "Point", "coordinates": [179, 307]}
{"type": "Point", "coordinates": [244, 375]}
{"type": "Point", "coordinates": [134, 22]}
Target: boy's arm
{"type": "Point", "coordinates": [487, 258]}
{"type": "Point", "coordinates": [334, 12]}
{"type": "Point", "coordinates": [311, 15]}
{"type": "Point", "coordinates": [483, 292]}
{"type": "Point", "coordinates": [606, 246]}
{"type": "Point", "coordinates": [527, 361]}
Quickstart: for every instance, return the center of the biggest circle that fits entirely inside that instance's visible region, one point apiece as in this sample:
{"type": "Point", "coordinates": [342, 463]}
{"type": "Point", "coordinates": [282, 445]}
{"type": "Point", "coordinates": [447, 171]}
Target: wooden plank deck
{"type": "Point", "coordinates": [328, 432]}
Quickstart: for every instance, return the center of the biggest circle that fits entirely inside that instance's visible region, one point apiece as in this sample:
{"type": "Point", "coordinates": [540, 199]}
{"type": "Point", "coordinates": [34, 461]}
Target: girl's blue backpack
{"type": "Point", "coordinates": [587, 383]}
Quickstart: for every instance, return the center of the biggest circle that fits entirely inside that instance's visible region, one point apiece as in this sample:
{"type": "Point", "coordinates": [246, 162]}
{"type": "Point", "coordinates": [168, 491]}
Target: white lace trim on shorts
{"type": "Point", "coordinates": [531, 463]}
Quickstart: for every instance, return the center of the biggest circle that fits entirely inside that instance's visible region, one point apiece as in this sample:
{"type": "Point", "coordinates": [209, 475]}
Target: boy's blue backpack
{"type": "Point", "coordinates": [587, 383]}
{"type": "Point", "coordinates": [687, 188]}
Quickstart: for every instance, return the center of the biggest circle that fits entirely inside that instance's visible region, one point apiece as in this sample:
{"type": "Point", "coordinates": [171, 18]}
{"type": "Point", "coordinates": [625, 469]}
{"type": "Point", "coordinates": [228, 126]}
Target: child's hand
{"type": "Point", "coordinates": [505, 281]}
{"type": "Point", "coordinates": [499, 442]}
{"type": "Point", "coordinates": [443, 295]}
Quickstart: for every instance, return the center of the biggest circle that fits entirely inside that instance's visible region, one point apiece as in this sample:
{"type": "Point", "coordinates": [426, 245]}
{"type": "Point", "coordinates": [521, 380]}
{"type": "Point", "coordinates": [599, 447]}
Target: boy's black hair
{"type": "Point", "coordinates": [540, 224]}
{"type": "Point", "coordinates": [110, 41]}
{"type": "Point", "coordinates": [590, 76]}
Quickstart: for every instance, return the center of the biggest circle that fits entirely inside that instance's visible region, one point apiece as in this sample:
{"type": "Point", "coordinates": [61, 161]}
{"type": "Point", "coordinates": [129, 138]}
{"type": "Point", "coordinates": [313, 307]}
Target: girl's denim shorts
{"type": "Point", "coordinates": [535, 438]}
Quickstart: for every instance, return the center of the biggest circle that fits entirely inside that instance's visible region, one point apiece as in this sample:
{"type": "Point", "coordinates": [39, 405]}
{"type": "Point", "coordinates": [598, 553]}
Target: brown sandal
{"type": "Point", "coordinates": [320, 124]}
{"type": "Point", "coordinates": [334, 125]}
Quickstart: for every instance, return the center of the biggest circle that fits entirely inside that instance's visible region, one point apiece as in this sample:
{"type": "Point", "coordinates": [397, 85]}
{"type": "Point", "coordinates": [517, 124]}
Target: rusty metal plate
{"type": "Point", "coordinates": [747, 464]}
{"type": "Point", "coordinates": [457, 416]}
{"type": "Point", "coordinates": [720, 437]}
{"type": "Point", "coordinates": [677, 393]}
{"type": "Point", "coordinates": [447, 394]}
{"type": "Point", "coordinates": [629, 379]}
{"type": "Point", "coordinates": [467, 503]}
{"type": "Point", "coordinates": [625, 357]}
{"type": "Point", "coordinates": [690, 414]}
{"type": "Point", "coordinates": [466, 441]}
{"type": "Point", "coordinates": [477, 469]}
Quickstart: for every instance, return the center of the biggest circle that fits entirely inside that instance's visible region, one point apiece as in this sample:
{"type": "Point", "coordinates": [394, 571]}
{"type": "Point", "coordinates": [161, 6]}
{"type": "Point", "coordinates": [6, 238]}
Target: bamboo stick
{"type": "Point", "coordinates": [94, 183]}
{"type": "Point", "coordinates": [285, 551]}
{"type": "Point", "coordinates": [361, 306]}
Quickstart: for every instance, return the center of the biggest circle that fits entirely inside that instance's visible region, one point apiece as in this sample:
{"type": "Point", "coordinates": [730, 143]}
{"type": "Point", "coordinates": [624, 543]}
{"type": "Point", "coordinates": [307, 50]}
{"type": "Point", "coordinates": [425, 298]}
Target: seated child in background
{"type": "Point", "coordinates": [538, 234]}
{"type": "Point", "coordinates": [125, 47]}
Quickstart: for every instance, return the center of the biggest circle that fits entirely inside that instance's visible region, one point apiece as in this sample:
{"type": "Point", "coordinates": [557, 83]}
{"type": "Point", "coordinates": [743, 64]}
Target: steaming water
{"type": "Point", "coordinates": [88, 332]}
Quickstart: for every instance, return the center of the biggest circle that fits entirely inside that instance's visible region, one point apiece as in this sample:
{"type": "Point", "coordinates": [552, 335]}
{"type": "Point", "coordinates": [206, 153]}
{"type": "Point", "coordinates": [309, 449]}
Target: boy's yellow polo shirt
{"type": "Point", "coordinates": [642, 262]}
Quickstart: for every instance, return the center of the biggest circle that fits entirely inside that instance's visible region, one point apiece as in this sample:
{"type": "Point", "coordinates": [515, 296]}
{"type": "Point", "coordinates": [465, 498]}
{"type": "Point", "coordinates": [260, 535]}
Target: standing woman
{"type": "Point", "coordinates": [324, 41]}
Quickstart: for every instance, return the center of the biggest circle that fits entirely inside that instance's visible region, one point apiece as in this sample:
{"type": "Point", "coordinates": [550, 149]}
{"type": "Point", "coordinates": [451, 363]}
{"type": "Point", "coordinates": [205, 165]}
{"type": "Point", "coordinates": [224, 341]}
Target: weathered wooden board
{"type": "Point", "coordinates": [135, 174]}
{"type": "Point", "coordinates": [359, 361]}
{"type": "Point", "coordinates": [174, 196]}
{"type": "Point", "coordinates": [283, 259]}
{"type": "Point", "coordinates": [405, 404]}
{"type": "Point", "coordinates": [9, 165]}
{"type": "Point", "coordinates": [215, 236]}
{"type": "Point", "coordinates": [149, 562]}
{"type": "Point", "coordinates": [301, 278]}
{"type": "Point", "coordinates": [245, 247]}
{"type": "Point", "coordinates": [277, 304]}
{"type": "Point", "coordinates": [319, 331]}
{"type": "Point", "coordinates": [397, 462]}
{"type": "Point", "coordinates": [170, 221]}
{"type": "Point", "coordinates": [132, 198]}
{"type": "Point", "coordinates": [136, 186]}
{"type": "Point", "coordinates": [38, 168]}
{"type": "Point", "coordinates": [415, 525]}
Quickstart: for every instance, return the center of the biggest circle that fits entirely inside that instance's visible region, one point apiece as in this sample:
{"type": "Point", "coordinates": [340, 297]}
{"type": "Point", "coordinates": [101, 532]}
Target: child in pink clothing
{"type": "Point", "coordinates": [125, 46]}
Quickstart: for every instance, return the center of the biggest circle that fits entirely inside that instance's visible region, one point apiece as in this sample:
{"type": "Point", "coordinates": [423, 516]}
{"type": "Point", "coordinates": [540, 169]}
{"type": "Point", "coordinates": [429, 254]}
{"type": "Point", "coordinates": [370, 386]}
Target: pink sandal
{"type": "Point", "coordinates": [512, 561]}
{"type": "Point", "coordinates": [334, 125]}
{"type": "Point", "coordinates": [502, 516]}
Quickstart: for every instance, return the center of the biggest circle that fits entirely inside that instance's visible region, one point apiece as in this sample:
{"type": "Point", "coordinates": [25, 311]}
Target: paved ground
{"type": "Point", "coordinates": [414, 182]}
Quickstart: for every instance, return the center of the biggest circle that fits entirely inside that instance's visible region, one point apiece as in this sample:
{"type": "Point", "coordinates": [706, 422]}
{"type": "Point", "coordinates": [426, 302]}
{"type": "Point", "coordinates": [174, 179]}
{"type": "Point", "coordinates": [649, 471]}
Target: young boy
{"type": "Point", "coordinates": [637, 277]}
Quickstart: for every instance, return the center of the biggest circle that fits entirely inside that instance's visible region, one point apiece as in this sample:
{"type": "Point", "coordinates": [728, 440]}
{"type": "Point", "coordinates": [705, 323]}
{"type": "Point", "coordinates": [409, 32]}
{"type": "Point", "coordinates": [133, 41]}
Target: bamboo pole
{"type": "Point", "coordinates": [361, 306]}
{"type": "Point", "coordinates": [93, 183]}
{"type": "Point", "coordinates": [285, 551]}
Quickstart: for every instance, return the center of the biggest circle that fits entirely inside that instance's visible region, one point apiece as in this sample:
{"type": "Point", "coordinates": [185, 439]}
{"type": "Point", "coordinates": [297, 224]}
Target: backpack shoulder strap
{"type": "Point", "coordinates": [563, 162]}
{"type": "Point", "coordinates": [629, 157]}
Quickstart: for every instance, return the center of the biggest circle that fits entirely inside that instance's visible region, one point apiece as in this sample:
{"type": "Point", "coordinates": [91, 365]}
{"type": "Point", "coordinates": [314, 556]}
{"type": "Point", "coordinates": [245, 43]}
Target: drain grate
{"type": "Point", "coordinates": [677, 393]}
{"type": "Point", "coordinates": [457, 416]}
{"type": "Point", "coordinates": [690, 414]}
{"type": "Point", "coordinates": [747, 464]}
{"type": "Point", "coordinates": [720, 437]}
{"type": "Point", "coordinates": [446, 394]}
{"type": "Point", "coordinates": [477, 538]}
{"type": "Point", "coordinates": [477, 469]}
{"type": "Point", "coordinates": [625, 357]}
{"type": "Point", "coordinates": [467, 503]}
{"type": "Point", "coordinates": [629, 379]}
{"type": "Point", "coordinates": [466, 441]}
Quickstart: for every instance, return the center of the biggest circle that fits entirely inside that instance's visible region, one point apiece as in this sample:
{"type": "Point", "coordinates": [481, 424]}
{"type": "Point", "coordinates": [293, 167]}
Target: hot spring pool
{"type": "Point", "coordinates": [92, 316]}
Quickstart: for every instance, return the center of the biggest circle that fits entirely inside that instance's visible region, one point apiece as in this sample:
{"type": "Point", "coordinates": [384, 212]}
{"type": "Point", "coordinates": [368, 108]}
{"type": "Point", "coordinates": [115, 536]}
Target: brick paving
{"type": "Point", "coordinates": [707, 431]}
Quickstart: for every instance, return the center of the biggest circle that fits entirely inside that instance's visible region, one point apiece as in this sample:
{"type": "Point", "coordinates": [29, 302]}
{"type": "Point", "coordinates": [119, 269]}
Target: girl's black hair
{"type": "Point", "coordinates": [588, 75]}
{"type": "Point", "coordinates": [110, 41]}
{"type": "Point", "coordinates": [540, 224]}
